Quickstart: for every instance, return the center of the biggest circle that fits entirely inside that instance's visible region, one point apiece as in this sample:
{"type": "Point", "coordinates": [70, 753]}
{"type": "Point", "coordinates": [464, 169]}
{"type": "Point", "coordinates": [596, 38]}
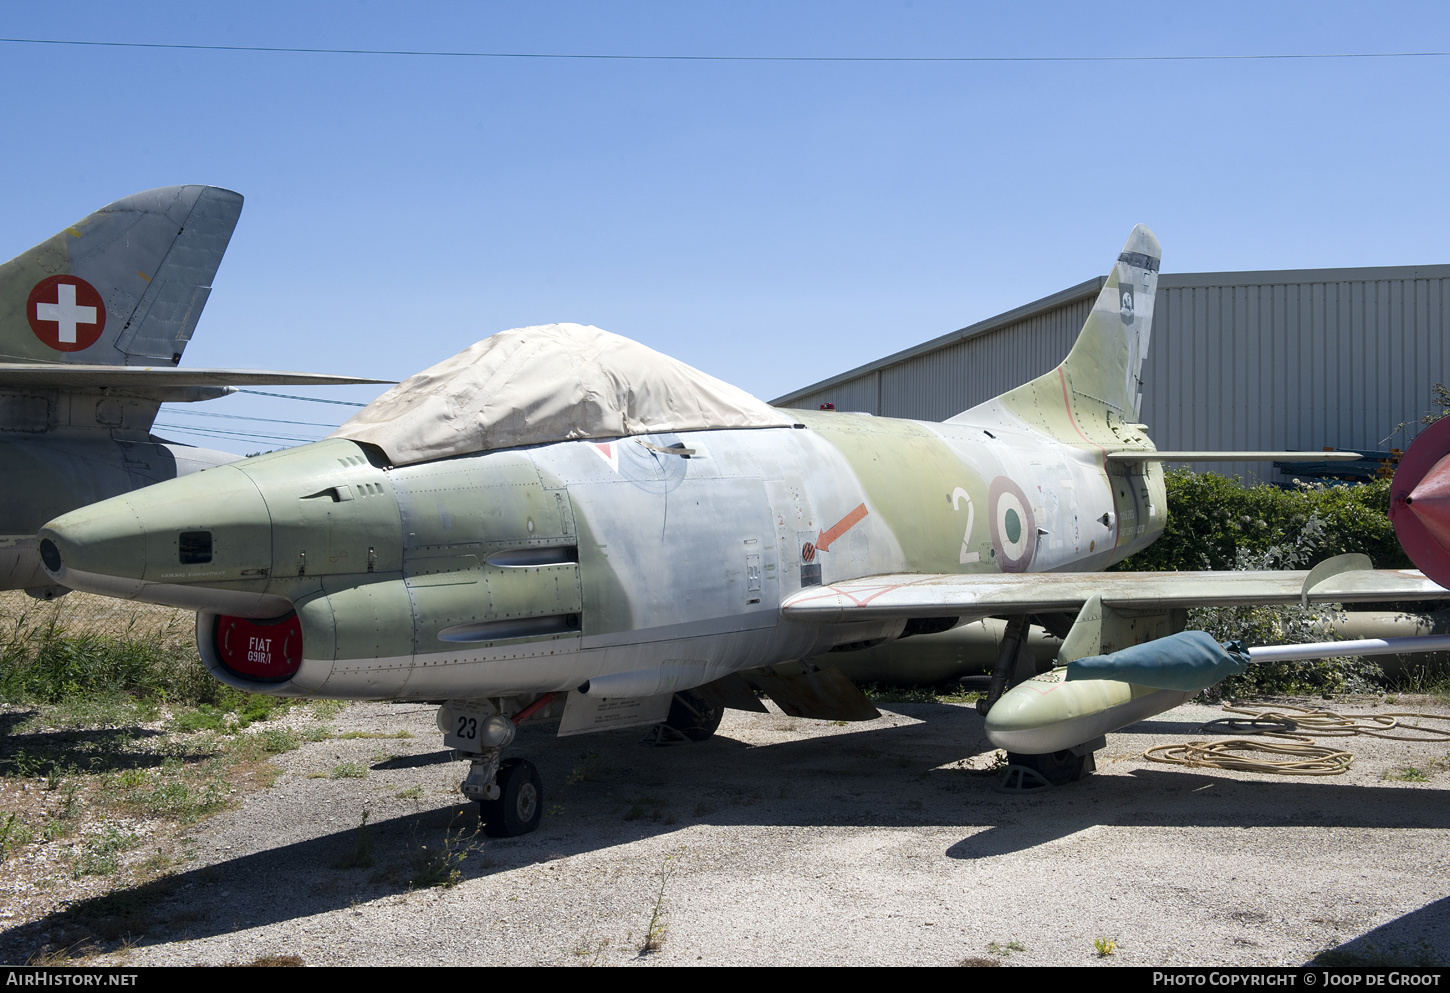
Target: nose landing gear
{"type": "Point", "coordinates": [520, 802]}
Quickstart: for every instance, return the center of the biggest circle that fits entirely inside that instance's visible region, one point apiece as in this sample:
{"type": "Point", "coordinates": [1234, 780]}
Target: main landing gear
{"type": "Point", "coordinates": [1028, 773]}
{"type": "Point", "coordinates": [1057, 768]}
{"type": "Point", "coordinates": [691, 718]}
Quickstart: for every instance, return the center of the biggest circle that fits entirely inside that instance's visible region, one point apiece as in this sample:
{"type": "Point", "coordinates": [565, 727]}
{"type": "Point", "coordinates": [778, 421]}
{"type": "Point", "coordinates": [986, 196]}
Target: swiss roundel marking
{"type": "Point", "coordinates": [1014, 529]}
{"type": "Point", "coordinates": [66, 313]}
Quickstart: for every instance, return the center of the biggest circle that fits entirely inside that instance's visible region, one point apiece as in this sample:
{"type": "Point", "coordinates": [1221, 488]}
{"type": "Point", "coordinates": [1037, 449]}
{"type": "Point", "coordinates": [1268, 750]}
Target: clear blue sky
{"type": "Point", "coordinates": [770, 223]}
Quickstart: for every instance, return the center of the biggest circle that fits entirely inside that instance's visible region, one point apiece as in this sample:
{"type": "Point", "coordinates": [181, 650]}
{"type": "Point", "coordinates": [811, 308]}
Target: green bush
{"type": "Point", "coordinates": [1215, 522]}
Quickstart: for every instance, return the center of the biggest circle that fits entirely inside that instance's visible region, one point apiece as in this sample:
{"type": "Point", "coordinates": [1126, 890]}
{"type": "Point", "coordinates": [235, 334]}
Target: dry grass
{"type": "Point", "coordinates": [82, 614]}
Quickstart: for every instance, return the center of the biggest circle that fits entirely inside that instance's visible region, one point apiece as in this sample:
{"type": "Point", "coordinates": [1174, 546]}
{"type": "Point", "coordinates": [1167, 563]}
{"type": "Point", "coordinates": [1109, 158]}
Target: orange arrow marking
{"type": "Point", "coordinates": [824, 538]}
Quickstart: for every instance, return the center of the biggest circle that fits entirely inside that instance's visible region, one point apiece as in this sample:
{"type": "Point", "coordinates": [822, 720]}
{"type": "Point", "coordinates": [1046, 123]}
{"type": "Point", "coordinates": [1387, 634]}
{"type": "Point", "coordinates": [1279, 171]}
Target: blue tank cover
{"type": "Point", "coordinates": [1188, 661]}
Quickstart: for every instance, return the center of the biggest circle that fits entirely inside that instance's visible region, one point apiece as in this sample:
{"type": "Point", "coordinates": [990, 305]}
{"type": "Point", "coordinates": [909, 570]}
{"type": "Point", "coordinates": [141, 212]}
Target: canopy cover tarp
{"type": "Point", "coordinates": [554, 382]}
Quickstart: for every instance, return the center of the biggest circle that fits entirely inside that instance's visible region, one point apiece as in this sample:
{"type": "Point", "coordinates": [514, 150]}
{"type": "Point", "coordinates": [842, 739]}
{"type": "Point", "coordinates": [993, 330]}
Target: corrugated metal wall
{"type": "Point", "coordinates": [1295, 359]}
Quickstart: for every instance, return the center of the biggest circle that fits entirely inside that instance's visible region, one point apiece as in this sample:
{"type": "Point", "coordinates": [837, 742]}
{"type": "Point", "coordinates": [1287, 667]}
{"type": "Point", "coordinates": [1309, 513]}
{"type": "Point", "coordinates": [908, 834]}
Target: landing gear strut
{"type": "Point", "coordinates": [691, 718]}
{"type": "Point", "coordinates": [509, 792]}
{"type": "Point", "coordinates": [1014, 663]}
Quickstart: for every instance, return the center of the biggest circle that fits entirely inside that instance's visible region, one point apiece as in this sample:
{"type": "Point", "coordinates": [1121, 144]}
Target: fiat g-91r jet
{"type": "Point", "coordinates": [562, 524]}
{"type": "Point", "coordinates": [92, 326]}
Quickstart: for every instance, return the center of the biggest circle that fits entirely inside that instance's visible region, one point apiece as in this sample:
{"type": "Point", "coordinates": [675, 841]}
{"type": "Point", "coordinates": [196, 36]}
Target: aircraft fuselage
{"type": "Point", "coordinates": [537, 569]}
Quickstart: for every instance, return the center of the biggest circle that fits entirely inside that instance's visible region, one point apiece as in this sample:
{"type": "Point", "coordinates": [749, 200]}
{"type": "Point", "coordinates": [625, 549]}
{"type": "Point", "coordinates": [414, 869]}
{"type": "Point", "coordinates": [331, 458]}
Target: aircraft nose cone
{"type": "Point", "coordinates": [1430, 501]}
{"type": "Point", "coordinates": [210, 528]}
{"type": "Point", "coordinates": [1420, 502]}
{"type": "Point", "coordinates": [102, 540]}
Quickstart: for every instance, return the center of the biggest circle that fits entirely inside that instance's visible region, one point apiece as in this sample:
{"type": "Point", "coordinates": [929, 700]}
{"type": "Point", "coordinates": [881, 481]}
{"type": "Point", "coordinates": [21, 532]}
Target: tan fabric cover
{"type": "Point", "coordinates": [555, 382]}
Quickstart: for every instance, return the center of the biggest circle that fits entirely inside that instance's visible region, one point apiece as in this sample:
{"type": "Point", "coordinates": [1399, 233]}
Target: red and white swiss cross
{"type": "Point", "coordinates": [66, 313]}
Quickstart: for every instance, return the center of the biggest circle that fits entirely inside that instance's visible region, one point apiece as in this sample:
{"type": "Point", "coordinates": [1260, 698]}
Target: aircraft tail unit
{"type": "Point", "coordinates": [93, 323]}
{"type": "Point", "coordinates": [1093, 397]}
{"type": "Point", "coordinates": [123, 285]}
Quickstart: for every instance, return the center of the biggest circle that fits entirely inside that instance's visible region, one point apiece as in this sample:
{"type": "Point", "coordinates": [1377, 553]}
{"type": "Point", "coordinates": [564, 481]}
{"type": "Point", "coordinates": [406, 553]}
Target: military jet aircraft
{"type": "Point", "coordinates": [92, 325]}
{"type": "Point", "coordinates": [562, 524]}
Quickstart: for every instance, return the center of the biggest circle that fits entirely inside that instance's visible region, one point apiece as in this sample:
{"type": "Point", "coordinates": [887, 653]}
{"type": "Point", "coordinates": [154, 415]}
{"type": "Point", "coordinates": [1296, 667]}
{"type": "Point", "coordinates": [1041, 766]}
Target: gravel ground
{"type": "Point", "coordinates": [798, 842]}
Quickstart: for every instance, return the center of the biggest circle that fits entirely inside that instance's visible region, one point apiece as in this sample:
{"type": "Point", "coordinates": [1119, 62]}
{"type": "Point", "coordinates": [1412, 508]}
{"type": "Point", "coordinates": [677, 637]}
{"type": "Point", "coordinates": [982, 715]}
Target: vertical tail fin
{"type": "Point", "coordinates": [1100, 380]}
{"type": "Point", "coordinates": [124, 285]}
{"type": "Point", "coordinates": [1106, 361]}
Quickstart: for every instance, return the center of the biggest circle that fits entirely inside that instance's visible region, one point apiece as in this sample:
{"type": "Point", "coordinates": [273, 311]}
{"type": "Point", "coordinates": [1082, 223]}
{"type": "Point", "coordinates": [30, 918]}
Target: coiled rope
{"type": "Point", "coordinates": [1280, 724]}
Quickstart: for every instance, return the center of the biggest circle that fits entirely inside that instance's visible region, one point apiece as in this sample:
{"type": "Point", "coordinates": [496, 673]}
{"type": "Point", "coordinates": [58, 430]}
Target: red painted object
{"type": "Point", "coordinates": [269, 650]}
{"type": "Point", "coordinates": [1420, 502]}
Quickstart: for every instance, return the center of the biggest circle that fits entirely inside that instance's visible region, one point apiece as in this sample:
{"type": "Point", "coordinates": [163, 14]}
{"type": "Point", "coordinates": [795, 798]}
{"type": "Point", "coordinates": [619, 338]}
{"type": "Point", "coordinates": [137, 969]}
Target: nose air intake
{"type": "Point", "coordinates": [268, 651]}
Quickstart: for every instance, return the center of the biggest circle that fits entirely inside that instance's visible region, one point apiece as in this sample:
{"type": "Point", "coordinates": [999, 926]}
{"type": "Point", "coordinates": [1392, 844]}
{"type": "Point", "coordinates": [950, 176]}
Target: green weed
{"type": "Point", "coordinates": [654, 933]}
{"type": "Point", "coordinates": [1005, 951]}
{"type": "Point", "coordinates": [178, 800]}
{"type": "Point", "coordinates": [102, 853]}
{"type": "Point", "coordinates": [889, 693]}
{"type": "Point", "coordinates": [645, 806]}
{"type": "Point", "coordinates": [438, 865]}
{"type": "Point", "coordinates": [14, 835]}
{"type": "Point", "coordinates": [582, 769]}
{"type": "Point", "coordinates": [274, 742]}
{"type": "Point", "coordinates": [361, 856]}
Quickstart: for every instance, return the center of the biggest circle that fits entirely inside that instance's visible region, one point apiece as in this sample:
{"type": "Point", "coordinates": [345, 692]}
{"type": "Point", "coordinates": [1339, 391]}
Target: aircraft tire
{"type": "Point", "coordinates": [693, 717]}
{"type": "Point", "coordinates": [520, 803]}
{"type": "Point", "coordinates": [1058, 768]}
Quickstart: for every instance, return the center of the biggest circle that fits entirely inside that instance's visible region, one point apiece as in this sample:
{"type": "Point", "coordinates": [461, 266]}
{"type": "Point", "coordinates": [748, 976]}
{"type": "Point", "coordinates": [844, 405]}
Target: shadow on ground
{"type": "Point", "coordinates": [608, 790]}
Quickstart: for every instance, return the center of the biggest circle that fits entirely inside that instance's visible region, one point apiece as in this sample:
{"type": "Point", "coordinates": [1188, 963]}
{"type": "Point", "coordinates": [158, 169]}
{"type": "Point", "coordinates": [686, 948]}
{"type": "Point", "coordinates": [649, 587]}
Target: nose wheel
{"type": "Point", "coordinates": [520, 803]}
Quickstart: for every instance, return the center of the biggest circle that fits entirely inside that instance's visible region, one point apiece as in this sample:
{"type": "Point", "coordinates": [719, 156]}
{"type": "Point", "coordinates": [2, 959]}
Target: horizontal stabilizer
{"type": "Point", "coordinates": [1141, 456]}
{"type": "Point", "coordinates": [22, 374]}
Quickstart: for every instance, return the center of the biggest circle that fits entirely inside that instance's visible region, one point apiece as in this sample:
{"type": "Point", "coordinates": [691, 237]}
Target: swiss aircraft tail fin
{"type": "Point", "coordinates": [123, 286]}
{"type": "Point", "coordinates": [1098, 385]}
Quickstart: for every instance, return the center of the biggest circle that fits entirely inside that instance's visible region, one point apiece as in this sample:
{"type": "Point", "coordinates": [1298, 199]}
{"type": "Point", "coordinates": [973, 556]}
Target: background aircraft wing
{"type": "Point", "coordinates": [1157, 456]}
{"type": "Point", "coordinates": [983, 595]}
{"type": "Point", "coordinates": [38, 376]}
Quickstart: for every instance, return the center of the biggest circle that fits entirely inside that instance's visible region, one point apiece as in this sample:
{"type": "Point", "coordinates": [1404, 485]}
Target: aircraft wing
{"type": "Point", "coordinates": [1136, 455]}
{"type": "Point", "coordinates": [988, 594]}
{"type": "Point", "coordinates": [36, 376]}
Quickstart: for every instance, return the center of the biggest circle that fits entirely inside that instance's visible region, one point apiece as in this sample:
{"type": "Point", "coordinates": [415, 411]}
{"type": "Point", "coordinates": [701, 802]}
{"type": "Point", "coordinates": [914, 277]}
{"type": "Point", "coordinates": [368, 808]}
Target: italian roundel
{"type": "Point", "coordinates": [66, 313]}
{"type": "Point", "coordinates": [1014, 529]}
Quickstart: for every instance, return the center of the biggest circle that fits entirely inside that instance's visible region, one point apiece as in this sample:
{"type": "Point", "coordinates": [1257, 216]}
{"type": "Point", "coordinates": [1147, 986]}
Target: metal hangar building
{"type": "Point", "coordinates": [1294, 359]}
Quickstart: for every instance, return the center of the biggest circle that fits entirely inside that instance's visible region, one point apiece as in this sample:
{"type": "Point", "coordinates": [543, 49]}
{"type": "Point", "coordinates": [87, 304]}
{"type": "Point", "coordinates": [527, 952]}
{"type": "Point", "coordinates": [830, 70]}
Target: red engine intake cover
{"type": "Point", "coordinates": [265, 650]}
